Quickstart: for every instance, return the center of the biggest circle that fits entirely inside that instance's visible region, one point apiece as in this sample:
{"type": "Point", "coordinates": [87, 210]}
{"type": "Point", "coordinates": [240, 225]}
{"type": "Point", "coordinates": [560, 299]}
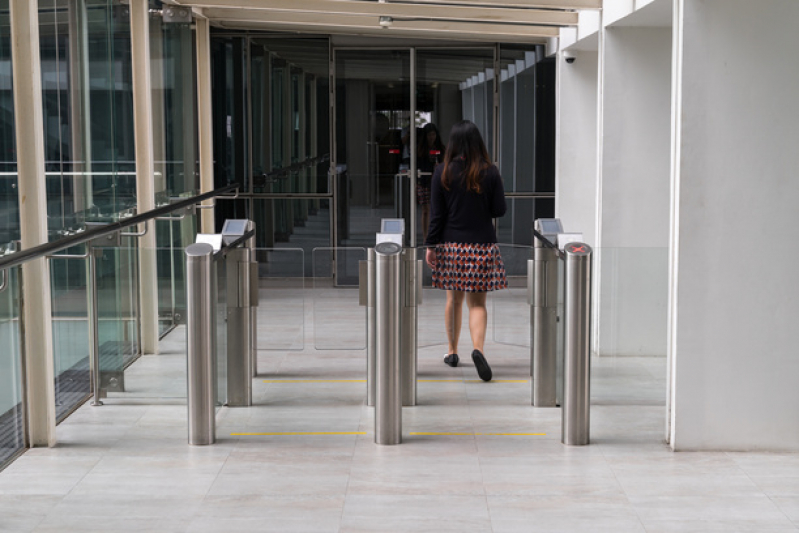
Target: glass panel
{"type": "Point", "coordinates": [440, 76]}
{"type": "Point", "coordinates": [117, 294]}
{"type": "Point", "coordinates": [372, 118]}
{"type": "Point", "coordinates": [281, 305]}
{"type": "Point", "coordinates": [172, 237]}
{"type": "Point", "coordinates": [103, 138]}
{"type": "Point", "coordinates": [432, 330]}
{"type": "Point", "coordinates": [230, 121]}
{"type": "Point", "coordinates": [70, 332]}
{"type": "Point", "coordinates": [9, 209]}
{"type": "Point", "coordinates": [336, 306]}
{"type": "Point", "coordinates": [516, 226]}
{"type": "Point", "coordinates": [175, 140]}
{"type": "Point", "coordinates": [11, 386]}
{"type": "Point", "coordinates": [630, 322]}
{"type": "Point", "coordinates": [290, 81]}
{"type": "Point", "coordinates": [220, 268]}
{"type": "Point", "coordinates": [510, 310]}
{"type": "Point", "coordinates": [293, 224]}
{"type": "Point", "coordinates": [527, 119]}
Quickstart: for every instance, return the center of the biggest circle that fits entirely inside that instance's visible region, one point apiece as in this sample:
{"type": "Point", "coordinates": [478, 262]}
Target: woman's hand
{"type": "Point", "coordinates": [430, 258]}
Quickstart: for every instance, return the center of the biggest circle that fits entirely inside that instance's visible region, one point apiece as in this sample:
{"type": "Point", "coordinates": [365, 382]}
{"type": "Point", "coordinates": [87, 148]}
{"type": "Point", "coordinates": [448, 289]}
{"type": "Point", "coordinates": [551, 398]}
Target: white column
{"type": "Point", "coordinates": [38, 340]}
{"type": "Point", "coordinates": [145, 168]}
{"type": "Point", "coordinates": [204, 119]}
{"type": "Point", "coordinates": [734, 296]}
{"type": "Point", "coordinates": [576, 176]}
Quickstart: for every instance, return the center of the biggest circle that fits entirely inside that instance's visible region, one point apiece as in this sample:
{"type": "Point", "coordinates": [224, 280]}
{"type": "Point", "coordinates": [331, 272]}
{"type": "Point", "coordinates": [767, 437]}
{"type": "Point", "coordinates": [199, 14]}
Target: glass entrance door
{"type": "Point", "coordinates": [372, 147]}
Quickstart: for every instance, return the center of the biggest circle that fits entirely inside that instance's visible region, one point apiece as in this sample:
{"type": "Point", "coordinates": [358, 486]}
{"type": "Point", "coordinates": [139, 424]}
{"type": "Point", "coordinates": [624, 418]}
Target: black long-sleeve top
{"type": "Point", "coordinates": [464, 216]}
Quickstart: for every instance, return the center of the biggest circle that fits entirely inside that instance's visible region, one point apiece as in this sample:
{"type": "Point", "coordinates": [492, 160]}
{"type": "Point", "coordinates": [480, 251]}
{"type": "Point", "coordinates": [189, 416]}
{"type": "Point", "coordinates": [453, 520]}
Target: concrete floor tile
{"type": "Point", "coordinates": [719, 526]}
{"type": "Point", "coordinates": [709, 507]}
{"type": "Point", "coordinates": [436, 511]}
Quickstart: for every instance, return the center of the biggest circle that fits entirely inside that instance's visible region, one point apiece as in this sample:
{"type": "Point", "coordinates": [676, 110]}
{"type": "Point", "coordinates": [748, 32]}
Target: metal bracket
{"type": "Point", "coordinates": [113, 240]}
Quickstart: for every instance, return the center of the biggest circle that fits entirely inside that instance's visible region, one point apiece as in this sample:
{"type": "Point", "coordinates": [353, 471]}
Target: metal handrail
{"type": "Point", "coordinates": [311, 161]}
{"type": "Point", "coordinates": [50, 248]}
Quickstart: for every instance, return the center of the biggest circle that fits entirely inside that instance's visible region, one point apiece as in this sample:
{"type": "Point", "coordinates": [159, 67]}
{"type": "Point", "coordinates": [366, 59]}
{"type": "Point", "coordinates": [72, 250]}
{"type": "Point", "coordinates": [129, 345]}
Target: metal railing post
{"type": "Point", "coordinates": [543, 298]}
{"type": "Point", "coordinates": [201, 343]}
{"type": "Point", "coordinates": [388, 302]}
{"type": "Point", "coordinates": [411, 298]}
{"type": "Point", "coordinates": [577, 346]}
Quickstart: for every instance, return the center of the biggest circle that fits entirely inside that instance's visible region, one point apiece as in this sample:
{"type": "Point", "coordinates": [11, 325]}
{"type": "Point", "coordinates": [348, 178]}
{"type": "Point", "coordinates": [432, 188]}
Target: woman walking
{"type": "Point", "coordinates": [466, 195]}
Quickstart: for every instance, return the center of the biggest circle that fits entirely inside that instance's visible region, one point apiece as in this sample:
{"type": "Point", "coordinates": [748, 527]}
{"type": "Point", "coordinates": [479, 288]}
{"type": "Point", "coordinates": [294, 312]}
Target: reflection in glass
{"type": "Point", "coordinates": [372, 119]}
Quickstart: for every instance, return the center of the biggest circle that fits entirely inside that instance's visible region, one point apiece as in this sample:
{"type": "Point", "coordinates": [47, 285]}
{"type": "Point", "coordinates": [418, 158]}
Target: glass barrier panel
{"type": "Point", "coordinates": [630, 322]}
{"type": "Point", "coordinates": [431, 329]}
{"type": "Point", "coordinates": [118, 304]}
{"type": "Point", "coordinates": [70, 331]}
{"type": "Point", "coordinates": [510, 310]}
{"type": "Point", "coordinates": [12, 428]}
{"type": "Point", "coordinates": [516, 226]}
{"type": "Point", "coordinates": [281, 299]}
{"type": "Point", "coordinates": [632, 311]}
{"type": "Point", "coordinates": [339, 322]}
{"type": "Point", "coordinates": [220, 268]}
{"type": "Point", "coordinates": [172, 237]}
{"type": "Point", "coordinates": [293, 224]}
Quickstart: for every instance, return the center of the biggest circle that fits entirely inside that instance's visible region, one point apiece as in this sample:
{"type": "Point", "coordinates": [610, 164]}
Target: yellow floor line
{"type": "Point", "coordinates": [419, 380]}
{"type": "Point", "coordinates": [437, 433]}
{"type": "Point", "coordinates": [498, 381]}
{"type": "Point", "coordinates": [314, 381]}
{"type": "Point", "coordinates": [301, 433]}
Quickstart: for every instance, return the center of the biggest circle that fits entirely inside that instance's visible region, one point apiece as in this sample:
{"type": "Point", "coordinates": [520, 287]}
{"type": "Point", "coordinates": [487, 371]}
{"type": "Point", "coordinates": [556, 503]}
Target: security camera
{"type": "Point", "coordinates": [569, 56]}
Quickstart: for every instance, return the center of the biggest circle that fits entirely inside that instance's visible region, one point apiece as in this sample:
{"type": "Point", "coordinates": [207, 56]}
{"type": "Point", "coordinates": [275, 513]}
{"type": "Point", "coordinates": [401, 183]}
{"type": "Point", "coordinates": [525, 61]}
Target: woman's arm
{"type": "Point", "coordinates": [438, 209]}
{"type": "Point", "coordinates": [498, 206]}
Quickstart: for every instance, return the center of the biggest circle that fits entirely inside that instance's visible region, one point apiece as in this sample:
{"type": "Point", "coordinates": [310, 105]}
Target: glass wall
{"type": "Point", "coordinates": [12, 416]}
{"type": "Point", "coordinates": [175, 150]}
{"type": "Point", "coordinates": [11, 389]}
{"type": "Point", "coordinates": [526, 154]}
{"type": "Point", "coordinates": [274, 112]}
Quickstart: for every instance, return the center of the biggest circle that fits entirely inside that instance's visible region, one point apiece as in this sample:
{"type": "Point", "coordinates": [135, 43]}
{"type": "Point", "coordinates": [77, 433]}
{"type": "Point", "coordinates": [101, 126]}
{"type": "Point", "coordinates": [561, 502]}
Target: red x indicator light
{"type": "Point", "coordinates": [578, 249]}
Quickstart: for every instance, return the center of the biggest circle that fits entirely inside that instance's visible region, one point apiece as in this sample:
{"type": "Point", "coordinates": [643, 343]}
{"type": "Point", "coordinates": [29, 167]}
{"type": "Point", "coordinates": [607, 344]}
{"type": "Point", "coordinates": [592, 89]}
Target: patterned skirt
{"type": "Point", "coordinates": [469, 267]}
{"type": "Point", "coordinates": [422, 195]}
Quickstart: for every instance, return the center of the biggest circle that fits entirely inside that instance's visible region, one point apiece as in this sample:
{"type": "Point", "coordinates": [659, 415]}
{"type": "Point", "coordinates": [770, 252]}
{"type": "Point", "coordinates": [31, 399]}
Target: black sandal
{"type": "Point", "coordinates": [483, 370]}
{"type": "Point", "coordinates": [452, 359]}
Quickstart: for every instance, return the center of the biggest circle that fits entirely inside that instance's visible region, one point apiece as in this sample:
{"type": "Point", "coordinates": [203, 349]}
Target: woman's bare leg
{"type": "Point", "coordinates": [478, 318]}
{"type": "Point", "coordinates": [425, 221]}
{"type": "Point", "coordinates": [453, 315]}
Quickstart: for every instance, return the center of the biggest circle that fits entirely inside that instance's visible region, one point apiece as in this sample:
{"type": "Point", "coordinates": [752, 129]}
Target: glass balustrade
{"type": "Point", "coordinates": [12, 425]}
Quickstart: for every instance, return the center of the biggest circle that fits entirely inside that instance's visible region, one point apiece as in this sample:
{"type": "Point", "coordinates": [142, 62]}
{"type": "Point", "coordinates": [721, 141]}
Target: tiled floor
{"type": "Point", "coordinates": [126, 466]}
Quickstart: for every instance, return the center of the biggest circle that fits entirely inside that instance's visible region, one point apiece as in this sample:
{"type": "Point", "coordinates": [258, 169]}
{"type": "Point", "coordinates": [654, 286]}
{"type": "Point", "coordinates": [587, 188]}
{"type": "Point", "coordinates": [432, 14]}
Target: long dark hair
{"type": "Point", "coordinates": [465, 142]}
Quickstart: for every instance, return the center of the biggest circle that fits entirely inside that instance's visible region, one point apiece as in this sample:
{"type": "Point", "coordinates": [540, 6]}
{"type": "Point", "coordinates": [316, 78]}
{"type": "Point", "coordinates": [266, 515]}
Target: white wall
{"type": "Point", "coordinates": [735, 296]}
{"type": "Point", "coordinates": [576, 172]}
{"type": "Point", "coordinates": [633, 230]}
